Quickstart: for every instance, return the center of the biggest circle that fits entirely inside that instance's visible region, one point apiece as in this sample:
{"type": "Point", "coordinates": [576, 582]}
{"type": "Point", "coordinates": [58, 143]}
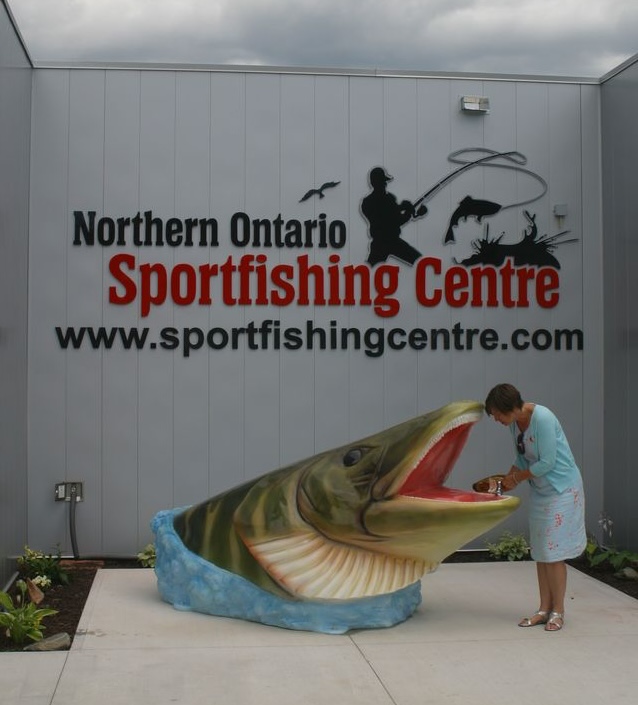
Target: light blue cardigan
{"type": "Point", "coordinates": [547, 452]}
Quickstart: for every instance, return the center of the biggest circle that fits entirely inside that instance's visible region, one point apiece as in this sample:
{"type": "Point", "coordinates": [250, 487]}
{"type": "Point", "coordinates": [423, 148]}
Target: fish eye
{"type": "Point", "coordinates": [352, 457]}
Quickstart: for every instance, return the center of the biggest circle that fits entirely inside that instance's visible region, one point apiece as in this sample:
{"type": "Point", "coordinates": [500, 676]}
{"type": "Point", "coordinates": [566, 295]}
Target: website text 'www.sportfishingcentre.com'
{"type": "Point", "coordinates": [269, 334]}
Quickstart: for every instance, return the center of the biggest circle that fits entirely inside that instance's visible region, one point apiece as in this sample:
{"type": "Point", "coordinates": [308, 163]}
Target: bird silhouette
{"type": "Point", "coordinates": [318, 191]}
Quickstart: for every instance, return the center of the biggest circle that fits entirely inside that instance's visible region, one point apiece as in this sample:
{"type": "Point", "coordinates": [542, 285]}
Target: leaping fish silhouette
{"type": "Point", "coordinates": [365, 520]}
{"type": "Point", "coordinates": [318, 191]}
{"type": "Point", "coordinates": [470, 207]}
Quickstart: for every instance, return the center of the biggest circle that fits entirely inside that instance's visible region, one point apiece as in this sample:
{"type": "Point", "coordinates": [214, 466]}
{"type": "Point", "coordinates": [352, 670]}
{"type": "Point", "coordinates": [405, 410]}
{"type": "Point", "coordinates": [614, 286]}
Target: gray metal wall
{"type": "Point", "coordinates": [150, 429]}
{"type": "Point", "coordinates": [620, 156]}
{"type": "Point", "coordinates": [15, 123]}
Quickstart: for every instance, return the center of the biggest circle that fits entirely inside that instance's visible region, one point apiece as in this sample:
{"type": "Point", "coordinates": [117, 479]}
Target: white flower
{"type": "Point", "coordinates": [42, 581]}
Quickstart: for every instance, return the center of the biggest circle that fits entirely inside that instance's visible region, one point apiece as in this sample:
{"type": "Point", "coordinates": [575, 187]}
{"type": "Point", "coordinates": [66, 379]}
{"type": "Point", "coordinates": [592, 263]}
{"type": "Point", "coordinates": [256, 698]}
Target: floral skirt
{"type": "Point", "coordinates": [557, 524]}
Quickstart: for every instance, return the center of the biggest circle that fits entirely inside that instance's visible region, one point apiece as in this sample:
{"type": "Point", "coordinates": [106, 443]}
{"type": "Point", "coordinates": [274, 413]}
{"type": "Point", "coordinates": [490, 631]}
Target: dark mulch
{"type": "Point", "coordinates": [69, 599]}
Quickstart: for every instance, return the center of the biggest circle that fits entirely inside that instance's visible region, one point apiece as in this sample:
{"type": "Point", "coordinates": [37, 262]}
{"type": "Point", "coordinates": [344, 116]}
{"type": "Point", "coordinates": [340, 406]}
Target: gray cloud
{"type": "Point", "coordinates": [486, 36]}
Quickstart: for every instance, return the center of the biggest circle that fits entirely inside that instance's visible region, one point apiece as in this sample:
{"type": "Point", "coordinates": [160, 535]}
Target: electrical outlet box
{"type": "Point", "coordinates": [69, 491]}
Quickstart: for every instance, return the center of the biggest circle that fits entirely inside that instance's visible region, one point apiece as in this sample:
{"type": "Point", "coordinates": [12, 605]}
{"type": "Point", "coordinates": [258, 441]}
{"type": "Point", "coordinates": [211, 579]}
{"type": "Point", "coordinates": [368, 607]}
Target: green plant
{"type": "Point", "coordinates": [22, 620]}
{"type": "Point", "coordinates": [34, 564]}
{"type": "Point", "coordinates": [147, 556]}
{"type": "Point", "coordinates": [597, 555]}
{"type": "Point", "coordinates": [510, 546]}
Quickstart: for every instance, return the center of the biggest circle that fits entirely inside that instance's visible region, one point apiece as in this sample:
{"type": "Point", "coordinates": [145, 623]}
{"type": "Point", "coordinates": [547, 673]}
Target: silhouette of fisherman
{"type": "Point", "coordinates": [386, 217]}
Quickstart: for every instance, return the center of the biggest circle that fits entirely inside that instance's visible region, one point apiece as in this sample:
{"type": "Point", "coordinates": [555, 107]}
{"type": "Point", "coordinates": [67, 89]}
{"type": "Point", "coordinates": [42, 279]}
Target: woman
{"type": "Point", "coordinates": [556, 506]}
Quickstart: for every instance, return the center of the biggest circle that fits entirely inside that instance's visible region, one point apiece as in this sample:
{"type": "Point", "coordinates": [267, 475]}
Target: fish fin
{"type": "Point", "coordinates": [310, 566]}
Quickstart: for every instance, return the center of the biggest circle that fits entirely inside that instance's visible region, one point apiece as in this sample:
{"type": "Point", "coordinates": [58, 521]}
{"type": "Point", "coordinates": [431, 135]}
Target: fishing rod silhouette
{"type": "Point", "coordinates": [457, 172]}
{"type": "Point", "coordinates": [473, 207]}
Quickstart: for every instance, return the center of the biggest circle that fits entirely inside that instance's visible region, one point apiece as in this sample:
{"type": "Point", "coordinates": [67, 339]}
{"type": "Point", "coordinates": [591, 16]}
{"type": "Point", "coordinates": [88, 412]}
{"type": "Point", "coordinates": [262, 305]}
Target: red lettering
{"type": "Point", "coordinates": [421, 281]}
{"type": "Point", "coordinates": [485, 286]}
{"type": "Point", "coordinates": [546, 282]}
{"type": "Point", "coordinates": [206, 273]}
{"type": "Point", "coordinates": [262, 280]}
{"type": "Point", "coordinates": [281, 276]}
{"type": "Point", "coordinates": [130, 290]}
{"type": "Point", "coordinates": [478, 274]}
{"type": "Point", "coordinates": [524, 276]}
{"type": "Point", "coordinates": [227, 270]}
{"type": "Point", "coordinates": [190, 277]}
{"type": "Point", "coordinates": [507, 270]}
{"type": "Point", "coordinates": [305, 270]}
{"type": "Point", "coordinates": [456, 280]}
{"type": "Point", "coordinates": [148, 273]}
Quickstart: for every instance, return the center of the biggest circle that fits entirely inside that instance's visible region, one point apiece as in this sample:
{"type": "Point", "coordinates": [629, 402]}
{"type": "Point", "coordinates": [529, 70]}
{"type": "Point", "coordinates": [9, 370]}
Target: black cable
{"type": "Point", "coordinates": [74, 543]}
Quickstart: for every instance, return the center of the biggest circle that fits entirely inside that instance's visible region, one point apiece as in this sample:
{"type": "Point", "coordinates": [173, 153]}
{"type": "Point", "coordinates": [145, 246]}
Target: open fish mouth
{"type": "Point", "coordinates": [433, 467]}
{"type": "Point", "coordinates": [414, 513]}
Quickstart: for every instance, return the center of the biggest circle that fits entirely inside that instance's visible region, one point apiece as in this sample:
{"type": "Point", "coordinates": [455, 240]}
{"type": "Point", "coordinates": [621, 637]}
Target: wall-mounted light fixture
{"type": "Point", "coordinates": [560, 213]}
{"type": "Point", "coordinates": [477, 104]}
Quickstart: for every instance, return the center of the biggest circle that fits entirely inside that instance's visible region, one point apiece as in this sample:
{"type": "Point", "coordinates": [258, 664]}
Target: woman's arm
{"type": "Point", "coordinates": [514, 477]}
{"type": "Point", "coordinates": [546, 442]}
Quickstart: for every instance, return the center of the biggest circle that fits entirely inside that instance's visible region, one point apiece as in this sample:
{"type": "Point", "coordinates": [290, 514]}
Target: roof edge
{"type": "Point", "coordinates": [620, 68]}
{"type": "Point", "coordinates": [16, 29]}
{"type": "Point", "coordinates": [310, 70]}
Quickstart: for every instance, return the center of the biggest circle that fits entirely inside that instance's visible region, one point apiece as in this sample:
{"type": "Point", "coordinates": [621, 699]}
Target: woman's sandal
{"type": "Point", "coordinates": [555, 622]}
{"type": "Point", "coordinates": [531, 622]}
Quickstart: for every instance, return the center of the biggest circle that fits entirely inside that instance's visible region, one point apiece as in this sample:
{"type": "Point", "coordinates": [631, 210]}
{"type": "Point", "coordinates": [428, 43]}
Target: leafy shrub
{"type": "Point", "coordinates": [22, 620]}
{"type": "Point", "coordinates": [146, 556]}
{"type": "Point", "coordinates": [35, 564]}
{"type": "Point", "coordinates": [510, 546]}
{"type": "Point", "coordinates": [595, 554]}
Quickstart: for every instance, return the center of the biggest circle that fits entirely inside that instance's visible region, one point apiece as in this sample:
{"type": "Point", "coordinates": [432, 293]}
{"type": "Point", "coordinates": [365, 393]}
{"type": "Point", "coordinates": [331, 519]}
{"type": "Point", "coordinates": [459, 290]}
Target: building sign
{"type": "Point", "coordinates": [246, 271]}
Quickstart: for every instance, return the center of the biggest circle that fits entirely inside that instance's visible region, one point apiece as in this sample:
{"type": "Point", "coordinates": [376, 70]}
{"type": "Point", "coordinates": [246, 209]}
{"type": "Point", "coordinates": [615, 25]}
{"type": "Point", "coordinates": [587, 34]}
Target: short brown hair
{"type": "Point", "coordinates": [504, 398]}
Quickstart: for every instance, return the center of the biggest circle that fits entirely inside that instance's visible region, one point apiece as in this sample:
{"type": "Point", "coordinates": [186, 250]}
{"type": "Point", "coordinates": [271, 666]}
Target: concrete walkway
{"type": "Point", "coordinates": [462, 647]}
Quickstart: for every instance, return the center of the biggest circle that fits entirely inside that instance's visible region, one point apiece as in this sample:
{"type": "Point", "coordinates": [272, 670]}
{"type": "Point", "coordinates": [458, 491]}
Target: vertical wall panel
{"type": "Point", "coordinates": [192, 199]}
{"type": "Point", "coordinates": [619, 99]}
{"type": "Point", "coordinates": [156, 378]}
{"type": "Point", "coordinates": [401, 160]}
{"type": "Point", "coordinates": [48, 220]}
{"type": "Point", "coordinates": [228, 196]}
{"type": "Point", "coordinates": [297, 381]}
{"type": "Point", "coordinates": [120, 370]}
{"type": "Point", "coordinates": [15, 124]}
{"type": "Point", "coordinates": [592, 457]}
{"type": "Point", "coordinates": [84, 304]}
{"type": "Point", "coordinates": [366, 379]}
{"type": "Point", "coordinates": [330, 147]}
{"type": "Point", "coordinates": [435, 107]}
{"type": "Point", "coordinates": [262, 407]}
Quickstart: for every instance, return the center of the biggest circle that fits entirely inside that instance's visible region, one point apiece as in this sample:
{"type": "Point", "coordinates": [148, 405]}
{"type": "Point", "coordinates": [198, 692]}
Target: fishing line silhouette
{"type": "Point", "coordinates": [518, 158]}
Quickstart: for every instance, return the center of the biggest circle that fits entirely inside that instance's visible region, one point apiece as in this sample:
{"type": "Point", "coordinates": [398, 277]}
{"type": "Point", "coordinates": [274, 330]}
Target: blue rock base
{"type": "Point", "coordinates": [189, 582]}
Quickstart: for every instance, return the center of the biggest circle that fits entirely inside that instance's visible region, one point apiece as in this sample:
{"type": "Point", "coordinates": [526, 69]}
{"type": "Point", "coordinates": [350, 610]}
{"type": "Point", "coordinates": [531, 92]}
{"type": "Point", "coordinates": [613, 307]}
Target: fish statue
{"type": "Point", "coordinates": [335, 542]}
{"type": "Point", "coordinates": [470, 207]}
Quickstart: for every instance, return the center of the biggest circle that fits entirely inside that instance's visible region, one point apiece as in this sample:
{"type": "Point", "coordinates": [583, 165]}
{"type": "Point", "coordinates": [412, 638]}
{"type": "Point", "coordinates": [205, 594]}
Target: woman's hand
{"type": "Point", "coordinates": [510, 481]}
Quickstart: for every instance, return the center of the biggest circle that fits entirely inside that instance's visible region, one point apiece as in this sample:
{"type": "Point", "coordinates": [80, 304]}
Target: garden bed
{"type": "Point", "coordinates": [69, 600]}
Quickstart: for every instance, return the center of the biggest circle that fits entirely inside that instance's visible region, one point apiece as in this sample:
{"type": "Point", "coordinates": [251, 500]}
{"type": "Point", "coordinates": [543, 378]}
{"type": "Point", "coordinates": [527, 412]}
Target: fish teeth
{"type": "Point", "coordinates": [470, 417]}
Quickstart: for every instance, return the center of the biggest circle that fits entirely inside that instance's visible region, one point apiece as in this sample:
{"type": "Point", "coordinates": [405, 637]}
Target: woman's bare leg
{"type": "Point", "coordinates": [544, 587]}
{"type": "Point", "coordinates": [545, 598]}
{"type": "Point", "coordinates": [556, 575]}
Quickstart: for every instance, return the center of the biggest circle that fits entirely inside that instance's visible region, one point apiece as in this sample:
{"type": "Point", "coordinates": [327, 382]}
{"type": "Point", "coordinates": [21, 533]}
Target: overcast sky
{"type": "Point", "coordinates": [542, 37]}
